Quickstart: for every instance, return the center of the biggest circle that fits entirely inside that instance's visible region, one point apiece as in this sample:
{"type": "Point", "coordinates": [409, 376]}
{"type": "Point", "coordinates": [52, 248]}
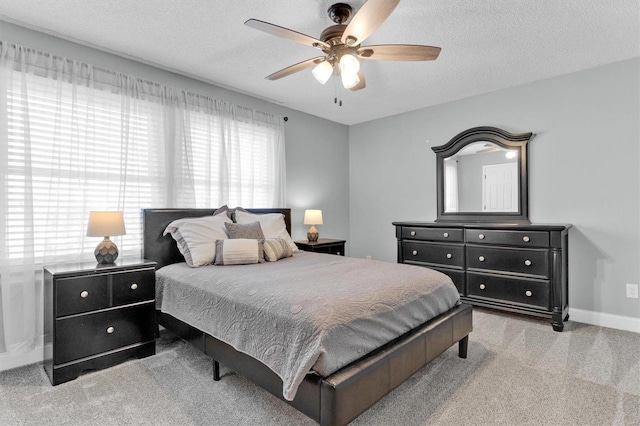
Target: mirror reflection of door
{"type": "Point", "coordinates": [500, 188]}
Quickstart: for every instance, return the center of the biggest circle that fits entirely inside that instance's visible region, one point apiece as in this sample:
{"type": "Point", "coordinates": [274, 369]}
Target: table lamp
{"type": "Point", "coordinates": [105, 224]}
{"type": "Point", "coordinates": [313, 218]}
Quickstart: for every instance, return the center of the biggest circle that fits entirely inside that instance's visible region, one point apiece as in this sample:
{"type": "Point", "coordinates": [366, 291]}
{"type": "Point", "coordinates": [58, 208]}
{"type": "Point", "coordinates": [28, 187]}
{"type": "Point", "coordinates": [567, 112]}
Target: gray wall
{"type": "Point", "coordinates": [317, 151]}
{"type": "Point", "coordinates": [583, 170]}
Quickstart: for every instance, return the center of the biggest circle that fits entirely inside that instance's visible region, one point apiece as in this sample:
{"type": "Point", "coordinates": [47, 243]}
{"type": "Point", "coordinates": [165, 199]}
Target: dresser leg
{"type": "Point", "coordinates": [556, 321]}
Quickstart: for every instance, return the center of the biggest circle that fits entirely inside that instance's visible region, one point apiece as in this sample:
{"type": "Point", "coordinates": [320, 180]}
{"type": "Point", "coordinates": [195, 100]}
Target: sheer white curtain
{"type": "Point", "coordinates": [75, 138]}
{"type": "Point", "coordinates": [226, 155]}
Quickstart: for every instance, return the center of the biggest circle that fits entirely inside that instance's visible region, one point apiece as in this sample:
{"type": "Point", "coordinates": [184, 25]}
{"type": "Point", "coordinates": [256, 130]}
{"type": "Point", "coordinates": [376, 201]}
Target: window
{"type": "Point", "coordinates": [75, 138]}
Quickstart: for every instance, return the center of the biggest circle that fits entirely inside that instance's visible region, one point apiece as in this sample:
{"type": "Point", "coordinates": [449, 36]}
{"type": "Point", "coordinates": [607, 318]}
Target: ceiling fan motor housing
{"type": "Point", "coordinates": [339, 12]}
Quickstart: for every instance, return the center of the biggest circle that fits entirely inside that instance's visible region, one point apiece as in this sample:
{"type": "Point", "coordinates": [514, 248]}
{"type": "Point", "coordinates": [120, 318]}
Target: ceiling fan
{"type": "Point", "coordinates": [342, 47]}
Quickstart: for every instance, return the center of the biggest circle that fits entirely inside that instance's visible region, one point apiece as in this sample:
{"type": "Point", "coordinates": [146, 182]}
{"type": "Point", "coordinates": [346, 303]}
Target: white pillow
{"type": "Point", "coordinates": [272, 224]}
{"type": "Point", "coordinates": [196, 237]}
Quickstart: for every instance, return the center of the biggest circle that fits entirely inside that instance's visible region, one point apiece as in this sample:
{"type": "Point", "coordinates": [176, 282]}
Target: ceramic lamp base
{"type": "Point", "coordinates": [312, 234]}
{"type": "Point", "coordinates": [106, 252]}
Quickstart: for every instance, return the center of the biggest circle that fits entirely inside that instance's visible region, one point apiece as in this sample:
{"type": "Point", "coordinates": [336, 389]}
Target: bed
{"type": "Point", "coordinates": [334, 398]}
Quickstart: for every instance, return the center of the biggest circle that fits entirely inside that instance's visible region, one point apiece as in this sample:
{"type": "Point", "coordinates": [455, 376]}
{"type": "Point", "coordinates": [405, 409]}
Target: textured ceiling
{"type": "Point", "coordinates": [486, 45]}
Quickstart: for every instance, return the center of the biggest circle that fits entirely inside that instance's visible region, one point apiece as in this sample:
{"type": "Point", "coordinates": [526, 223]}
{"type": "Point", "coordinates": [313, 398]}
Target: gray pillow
{"type": "Point", "coordinates": [249, 231]}
{"type": "Point", "coordinates": [231, 213]}
{"type": "Point", "coordinates": [223, 209]}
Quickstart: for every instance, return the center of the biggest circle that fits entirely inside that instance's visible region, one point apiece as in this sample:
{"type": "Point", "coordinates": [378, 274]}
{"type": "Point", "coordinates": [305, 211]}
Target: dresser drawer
{"type": "Point", "coordinates": [133, 286]}
{"type": "Point", "coordinates": [511, 260]}
{"type": "Point", "coordinates": [433, 234]}
{"type": "Point", "coordinates": [512, 238]}
{"type": "Point", "coordinates": [458, 277]}
{"type": "Point", "coordinates": [436, 253]}
{"type": "Point", "coordinates": [81, 294]}
{"type": "Point", "coordinates": [90, 334]}
{"type": "Point", "coordinates": [525, 291]}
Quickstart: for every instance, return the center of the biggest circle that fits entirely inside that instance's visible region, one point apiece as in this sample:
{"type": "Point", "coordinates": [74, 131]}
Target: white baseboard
{"type": "Point", "coordinates": [8, 362]}
{"type": "Point", "coordinates": [605, 320]}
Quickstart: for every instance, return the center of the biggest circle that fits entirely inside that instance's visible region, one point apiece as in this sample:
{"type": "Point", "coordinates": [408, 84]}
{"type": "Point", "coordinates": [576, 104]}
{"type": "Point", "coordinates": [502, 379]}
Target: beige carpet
{"type": "Point", "coordinates": [518, 372]}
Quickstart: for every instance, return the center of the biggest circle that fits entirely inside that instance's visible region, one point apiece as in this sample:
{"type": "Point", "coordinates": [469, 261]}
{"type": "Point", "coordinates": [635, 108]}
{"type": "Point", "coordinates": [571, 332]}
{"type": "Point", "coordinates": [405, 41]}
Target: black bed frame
{"type": "Point", "coordinates": [345, 394]}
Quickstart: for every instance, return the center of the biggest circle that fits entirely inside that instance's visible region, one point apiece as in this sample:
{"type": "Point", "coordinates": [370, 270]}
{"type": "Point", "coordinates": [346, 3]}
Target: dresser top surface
{"type": "Point", "coordinates": [93, 267]}
{"type": "Point", "coordinates": [488, 225]}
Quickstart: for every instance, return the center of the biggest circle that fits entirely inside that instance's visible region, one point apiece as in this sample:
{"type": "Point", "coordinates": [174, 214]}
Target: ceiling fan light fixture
{"type": "Point", "coordinates": [349, 67]}
{"type": "Point", "coordinates": [322, 71]}
{"type": "Point", "coordinates": [349, 64]}
{"type": "Point", "coordinates": [349, 79]}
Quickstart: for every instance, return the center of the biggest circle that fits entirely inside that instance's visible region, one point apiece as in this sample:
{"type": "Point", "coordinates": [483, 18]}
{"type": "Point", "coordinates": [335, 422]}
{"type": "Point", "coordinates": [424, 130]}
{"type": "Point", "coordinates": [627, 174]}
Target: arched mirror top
{"type": "Point", "coordinates": [482, 176]}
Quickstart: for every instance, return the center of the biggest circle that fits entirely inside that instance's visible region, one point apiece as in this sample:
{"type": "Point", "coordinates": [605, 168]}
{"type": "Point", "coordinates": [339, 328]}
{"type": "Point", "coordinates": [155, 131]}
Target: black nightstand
{"type": "Point", "coordinates": [96, 316]}
{"type": "Point", "coordinates": [323, 245]}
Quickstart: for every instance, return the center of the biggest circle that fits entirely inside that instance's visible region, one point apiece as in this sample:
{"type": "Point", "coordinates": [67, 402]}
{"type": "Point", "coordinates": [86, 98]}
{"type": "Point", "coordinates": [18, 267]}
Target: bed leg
{"type": "Point", "coordinates": [216, 371]}
{"type": "Point", "coordinates": [462, 347]}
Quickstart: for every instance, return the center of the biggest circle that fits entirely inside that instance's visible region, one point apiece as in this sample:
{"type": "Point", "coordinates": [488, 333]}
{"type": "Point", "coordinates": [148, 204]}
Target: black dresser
{"type": "Point", "coordinates": [520, 268]}
{"type": "Point", "coordinates": [96, 316]}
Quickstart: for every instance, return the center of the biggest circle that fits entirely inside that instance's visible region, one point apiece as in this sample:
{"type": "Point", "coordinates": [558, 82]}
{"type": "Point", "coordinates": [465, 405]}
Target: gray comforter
{"type": "Point", "coordinates": [309, 312]}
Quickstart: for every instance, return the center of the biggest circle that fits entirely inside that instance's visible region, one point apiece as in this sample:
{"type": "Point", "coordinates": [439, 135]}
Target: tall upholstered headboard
{"type": "Point", "coordinates": [163, 249]}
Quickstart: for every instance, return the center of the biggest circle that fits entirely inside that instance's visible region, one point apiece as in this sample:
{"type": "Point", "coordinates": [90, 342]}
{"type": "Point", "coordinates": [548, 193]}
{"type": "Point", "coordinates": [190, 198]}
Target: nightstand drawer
{"type": "Point", "coordinates": [133, 286]}
{"type": "Point", "coordinates": [440, 254]}
{"type": "Point", "coordinates": [515, 238]}
{"type": "Point", "coordinates": [86, 335]}
{"type": "Point", "coordinates": [82, 294]}
{"type": "Point", "coordinates": [528, 292]}
{"type": "Point", "coordinates": [432, 234]}
{"type": "Point", "coordinates": [512, 260]}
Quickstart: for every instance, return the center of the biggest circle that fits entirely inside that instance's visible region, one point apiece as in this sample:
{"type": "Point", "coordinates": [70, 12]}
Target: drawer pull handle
{"type": "Point", "coordinates": [528, 293]}
{"type": "Point", "coordinates": [134, 286]}
{"type": "Point", "coordinates": [415, 252]}
{"type": "Point", "coordinates": [527, 262]}
{"type": "Point", "coordinates": [482, 286]}
{"type": "Point", "coordinates": [446, 235]}
{"type": "Point", "coordinates": [110, 330]}
{"type": "Point", "coordinates": [413, 232]}
{"type": "Point", "coordinates": [84, 294]}
{"type": "Point", "coordinates": [481, 258]}
{"type": "Point", "coordinates": [525, 239]}
{"type": "Point", "coordinates": [481, 236]}
{"type": "Point", "coordinates": [449, 255]}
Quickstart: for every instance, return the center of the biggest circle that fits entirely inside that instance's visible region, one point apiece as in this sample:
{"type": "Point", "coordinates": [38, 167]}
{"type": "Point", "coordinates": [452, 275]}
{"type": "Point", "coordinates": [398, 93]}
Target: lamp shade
{"type": "Point", "coordinates": [313, 217]}
{"type": "Point", "coordinates": [105, 224]}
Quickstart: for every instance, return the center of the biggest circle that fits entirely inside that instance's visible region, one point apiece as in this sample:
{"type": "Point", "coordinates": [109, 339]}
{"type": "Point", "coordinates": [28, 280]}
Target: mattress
{"type": "Point", "coordinates": [310, 312]}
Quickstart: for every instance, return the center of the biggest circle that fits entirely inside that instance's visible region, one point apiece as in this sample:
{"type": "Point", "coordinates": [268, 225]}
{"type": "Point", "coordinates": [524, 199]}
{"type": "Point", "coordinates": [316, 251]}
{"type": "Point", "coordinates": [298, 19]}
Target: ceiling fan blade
{"type": "Point", "coordinates": [286, 33]}
{"type": "Point", "coordinates": [399, 52]}
{"type": "Point", "coordinates": [368, 18]}
{"type": "Point", "coordinates": [360, 85]}
{"type": "Point", "coordinates": [309, 63]}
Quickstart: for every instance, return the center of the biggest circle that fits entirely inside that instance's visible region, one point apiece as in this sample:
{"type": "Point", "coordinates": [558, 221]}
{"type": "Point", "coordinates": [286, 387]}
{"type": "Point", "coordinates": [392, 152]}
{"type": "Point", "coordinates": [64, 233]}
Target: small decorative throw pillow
{"type": "Point", "coordinates": [238, 252]}
{"type": "Point", "coordinates": [273, 225]}
{"type": "Point", "coordinates": [276, 249]}
{"type": "Point", "coordinates": [250, 231]}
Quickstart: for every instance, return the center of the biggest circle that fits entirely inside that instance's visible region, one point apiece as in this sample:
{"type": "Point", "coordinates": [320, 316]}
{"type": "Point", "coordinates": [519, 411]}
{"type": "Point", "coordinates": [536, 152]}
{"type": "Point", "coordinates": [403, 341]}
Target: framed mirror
{"type": "Point", "coordinates": [482, 176]}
